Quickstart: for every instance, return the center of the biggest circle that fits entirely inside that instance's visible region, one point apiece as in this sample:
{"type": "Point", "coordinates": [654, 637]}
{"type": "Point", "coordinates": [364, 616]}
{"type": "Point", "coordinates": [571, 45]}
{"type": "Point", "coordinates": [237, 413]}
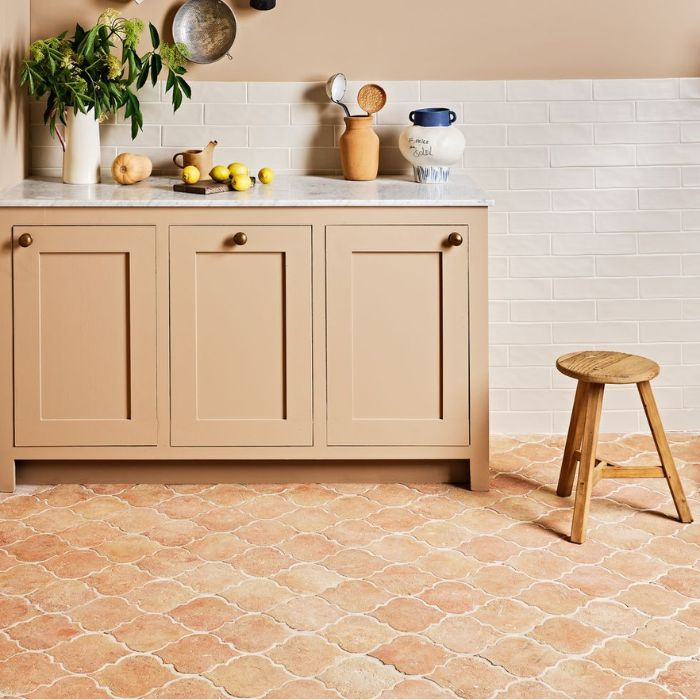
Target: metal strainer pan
{"type": "Point", "coordinates": [207, 28]}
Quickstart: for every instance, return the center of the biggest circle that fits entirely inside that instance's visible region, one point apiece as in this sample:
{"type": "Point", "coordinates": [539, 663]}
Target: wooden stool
{"type": "Point", "coordinates": [593, 370]}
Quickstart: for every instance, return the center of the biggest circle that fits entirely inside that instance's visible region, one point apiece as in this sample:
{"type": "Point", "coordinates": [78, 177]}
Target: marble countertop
{"type": "Point", "coordinates": [286, 191]}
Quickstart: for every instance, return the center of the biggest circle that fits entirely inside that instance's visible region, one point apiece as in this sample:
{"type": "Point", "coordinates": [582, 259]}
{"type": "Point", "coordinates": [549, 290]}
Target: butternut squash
{"type": "Point", "coordinates": [129, 168]}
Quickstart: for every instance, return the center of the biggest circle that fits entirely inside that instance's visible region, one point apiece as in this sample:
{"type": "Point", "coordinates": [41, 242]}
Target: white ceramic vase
{"type": "Point", "coordinates": [81, 160]}
{"type": "Point", "coordinates": [432, 144]}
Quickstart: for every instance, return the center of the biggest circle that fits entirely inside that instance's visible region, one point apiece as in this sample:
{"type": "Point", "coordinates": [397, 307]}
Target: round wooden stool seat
{"type": "Point", "coordinates": [603, 367]}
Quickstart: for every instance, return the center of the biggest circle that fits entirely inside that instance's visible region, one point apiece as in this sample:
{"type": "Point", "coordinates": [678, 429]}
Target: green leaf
{"type": "Point", "coordinates": [185, 87]}
{"type": "Point", "coordinates": [156, 67]}
{"type": "Point", "coordinates": [155, 37]}
{"type": "Point", "coordinates": [143, 75]}
{"type": "Point", "coordinates": [171, 80]}
{"type": "Point", "coordinates": [177, 97]}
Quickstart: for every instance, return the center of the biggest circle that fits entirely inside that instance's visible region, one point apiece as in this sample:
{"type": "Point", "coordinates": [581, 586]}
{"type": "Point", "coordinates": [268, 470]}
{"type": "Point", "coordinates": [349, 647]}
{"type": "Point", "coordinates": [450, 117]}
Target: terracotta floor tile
{"type": "Point", "coordinates": [308, 578]}
{"type": "Point", "coordinates": [360, 677]}
{"type": "Point", "coordinates": [359, 634]}
{"type": "Point", "coordinates": [652, 599]}
{"type": "Point", "coordinates": [596, 581]}
{"type": "Point", "coordinates": [419, 689]}
{"type": "Point", "coordinates": [627, 657]}
{"type": "Point", "coordinates": [118, 579]}
{"type": "Point", "coordinates": [530, 689]}
{"type": "Point", "coordinates": [25, 672]}
{"type": "Point", "coordinates": [408, 615]}
{"type": "Point", "coordinates": [258, 595]}
{"type": "Point", "coordinates": [44, 631]}
{"type": "Point", "coordinates": [253, 633]}
{"type": "Point", "coordinates": [187, 688]}
{"type": "Point", "coordinates": [88, 653]}
{"type": "Point", "coordinates": [671, 637]}
{"type": "Point", "coordinates": [59, 596]}
{"type": "Point", "coordinates": [509, 615]}
{"type": "Point", "coordinates": [267, 587]}
{"type": "Point", "coordinates": [454, 597]}
{"type": "Point", "coordinates": [471, 677]}
{"type": "Point", "coordinates": [249, 676]}
{"type": "Point", "coordinates": [582, 679]}
{"type": "Point", "coordinates": [682, 677]}
{"type": "Point", "coordinates": [411, 655]}
{"type": "Point", "coordinates": [553, 598]}
{"type": "Point", "coordinates": [463, 634]}
{"type": "Point", "coordinates": [305, 614]}
{"type": "Point", "coordinates": [196, 653]}
{"type": "Point", "coordinates": [356, 596]}
{"type": "Point", "coordinates": [70, 687]}
{"type": "Point", "coordinates": [104, 614]}
{"type": "Point", "coordinates": [134, 676]}
{"type": "Point", "coordinates": [159, 596]}
{"type": "Point", "coordinates": [522, 657]}
{"type": "Point", "coordinates": [611, 617]}
{"type": "Point", "coordinates": [567, 635]}
{"type": "Point", "coordinates": [305, 655]}
{"type": "Point", "coordinates": [403, 579]}
{"type": "Point", "coordinates": [303, 689]}
{"type": "Point", "coordinates": [205, 614]}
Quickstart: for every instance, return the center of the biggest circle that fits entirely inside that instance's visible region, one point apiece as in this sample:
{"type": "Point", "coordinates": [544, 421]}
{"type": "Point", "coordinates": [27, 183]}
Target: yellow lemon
{"type": "Point", "coordinates": [219, 173]}
{"type": "Point", "coordinates": [237, 169]}
{"type": "Point", "coordinates": [242, 183]}
{"type": "Point", "coordinates": [266, 176]}
{"type": "Point", "coordinates": [191, 175]}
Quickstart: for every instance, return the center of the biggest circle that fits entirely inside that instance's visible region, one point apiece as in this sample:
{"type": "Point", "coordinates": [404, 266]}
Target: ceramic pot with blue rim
{"type": "Point", "coordinates": [432, 144]}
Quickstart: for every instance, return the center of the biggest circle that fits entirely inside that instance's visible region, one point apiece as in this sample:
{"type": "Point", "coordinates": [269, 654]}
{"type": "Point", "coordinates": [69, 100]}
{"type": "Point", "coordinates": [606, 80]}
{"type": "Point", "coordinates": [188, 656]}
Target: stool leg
{"type": "Point", "coordinates": [573, 441]}
{"type": "Point", "coordinates": [667, 463]}
{"type": "Point", "coordinates": [591, 426]}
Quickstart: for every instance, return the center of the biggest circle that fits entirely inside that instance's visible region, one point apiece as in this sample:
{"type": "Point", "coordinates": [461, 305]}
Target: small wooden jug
{"type": "Point", "coordinates": [202, 159]}
{"type": "Point", "coordinates": [359, 149]}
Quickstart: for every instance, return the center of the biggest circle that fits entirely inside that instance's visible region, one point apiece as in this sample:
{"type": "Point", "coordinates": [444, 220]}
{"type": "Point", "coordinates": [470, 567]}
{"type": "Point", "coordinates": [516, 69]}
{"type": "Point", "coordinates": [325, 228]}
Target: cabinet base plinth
{"type": "Point", "coordinates": [7, 474]}
{"type": "Point", "coordinates": [273, 472]}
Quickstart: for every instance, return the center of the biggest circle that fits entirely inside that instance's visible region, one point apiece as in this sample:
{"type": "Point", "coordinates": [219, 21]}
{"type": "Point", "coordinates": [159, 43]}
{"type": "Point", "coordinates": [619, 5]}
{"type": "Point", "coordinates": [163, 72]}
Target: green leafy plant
{"type": "Point", "coordinates": [82, 73]}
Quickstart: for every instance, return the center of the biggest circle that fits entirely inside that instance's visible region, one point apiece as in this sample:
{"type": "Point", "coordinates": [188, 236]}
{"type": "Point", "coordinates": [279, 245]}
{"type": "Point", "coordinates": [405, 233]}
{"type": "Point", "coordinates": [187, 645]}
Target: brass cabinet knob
{"type": "Point", "coordinates": [240, 238]}
{"type": "Point", "coordinates": [455, 239]}
{"type": "Point", "coordinates": [25, 240]}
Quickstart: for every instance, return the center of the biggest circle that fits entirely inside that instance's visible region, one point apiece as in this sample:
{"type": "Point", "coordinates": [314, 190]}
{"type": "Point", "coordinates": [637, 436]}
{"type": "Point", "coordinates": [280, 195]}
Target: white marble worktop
{"type": "Point", "coordinates": [286, 191]}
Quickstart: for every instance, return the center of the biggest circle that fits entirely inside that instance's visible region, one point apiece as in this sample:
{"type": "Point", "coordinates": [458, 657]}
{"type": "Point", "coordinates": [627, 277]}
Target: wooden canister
{"type": "Point", "coordinates": [359, 149]}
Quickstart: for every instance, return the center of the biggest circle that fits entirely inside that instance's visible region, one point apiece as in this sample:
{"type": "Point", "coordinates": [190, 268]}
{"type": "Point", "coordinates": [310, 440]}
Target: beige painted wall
{"type": "Point", "coordinates": [434, 39]}
{"type": "Point", "coordinates": [14, 35]}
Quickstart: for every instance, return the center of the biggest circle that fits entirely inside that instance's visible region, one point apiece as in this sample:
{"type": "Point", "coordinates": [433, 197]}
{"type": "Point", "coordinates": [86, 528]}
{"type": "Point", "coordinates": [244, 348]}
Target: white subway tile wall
{"type": "Point", "coordinates": [595, 236]}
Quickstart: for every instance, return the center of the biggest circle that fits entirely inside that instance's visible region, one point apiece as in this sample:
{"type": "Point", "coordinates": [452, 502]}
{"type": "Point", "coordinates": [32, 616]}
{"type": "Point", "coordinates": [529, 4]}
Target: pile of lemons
{"type": "Point", "coordinates": [236, 173]}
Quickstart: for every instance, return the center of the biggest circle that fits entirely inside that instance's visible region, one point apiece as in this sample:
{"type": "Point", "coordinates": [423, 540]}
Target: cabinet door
{"type": "Point", "coordinates": [397, 327]}
{"type": "Point", "coordinates": [84, 335]}
{"type": "Point", "coordinates": [241, 335]}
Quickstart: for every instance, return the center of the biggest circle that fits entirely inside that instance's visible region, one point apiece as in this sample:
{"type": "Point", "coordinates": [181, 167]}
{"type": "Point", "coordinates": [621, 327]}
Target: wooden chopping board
{"type": "Point", "coordinates": [208, 187]}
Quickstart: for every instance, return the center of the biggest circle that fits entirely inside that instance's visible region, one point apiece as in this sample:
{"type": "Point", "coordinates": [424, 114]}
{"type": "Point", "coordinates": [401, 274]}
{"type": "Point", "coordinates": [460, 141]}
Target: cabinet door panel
{"type": "Point", "coordinates": [397, 324]}
{"type": "Point", "coordinates": [241, 336]}
{"type": "Point", "coordinates": [85, 346]}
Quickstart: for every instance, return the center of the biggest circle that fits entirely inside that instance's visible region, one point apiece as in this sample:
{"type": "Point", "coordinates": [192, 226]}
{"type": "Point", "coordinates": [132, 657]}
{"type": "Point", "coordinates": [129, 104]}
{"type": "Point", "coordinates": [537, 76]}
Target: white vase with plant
{"type": "Point", "coordinates": [83, 82]}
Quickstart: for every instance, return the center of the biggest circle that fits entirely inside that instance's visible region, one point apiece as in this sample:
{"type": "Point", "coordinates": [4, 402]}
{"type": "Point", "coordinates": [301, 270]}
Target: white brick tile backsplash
{"type": "Point", "coordinates": [572, 156]}
{"type": "Point", "coordinates": [669, 111]}
{"type": "Point", "coordinates": [660, 132]}
{"type": "Point", "coordinates": [663, 89]}
{"type": "Point", "coordinates": [594, 239]}
{"type": "Point", "coordinates": [582, 112]}
{"type": "Point", "coordinates": [463, 90]}
{"type": "Point", "coordinates": [549, 90]}
{"type": "Point", "coordinates": [504, 112]}
{"type": "Point", "coordinates": [596, 200]}
{"type": "Point", "coordinates": [638, 177]}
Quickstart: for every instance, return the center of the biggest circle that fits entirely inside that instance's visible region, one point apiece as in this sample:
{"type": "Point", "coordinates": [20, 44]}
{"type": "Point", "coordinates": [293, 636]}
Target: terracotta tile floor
{"type": "Point", "coordinates": [355, 591]}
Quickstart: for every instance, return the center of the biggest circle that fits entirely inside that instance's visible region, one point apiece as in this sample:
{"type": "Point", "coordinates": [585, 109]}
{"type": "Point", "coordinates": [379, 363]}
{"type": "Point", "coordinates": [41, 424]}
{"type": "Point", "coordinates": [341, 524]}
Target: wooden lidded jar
{"type": "Point", "coordinates": [359, 149]}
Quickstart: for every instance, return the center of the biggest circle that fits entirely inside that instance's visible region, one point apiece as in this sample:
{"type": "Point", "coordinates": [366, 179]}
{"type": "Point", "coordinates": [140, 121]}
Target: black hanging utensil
{"type": "Point", "coordinates": [263, 4]}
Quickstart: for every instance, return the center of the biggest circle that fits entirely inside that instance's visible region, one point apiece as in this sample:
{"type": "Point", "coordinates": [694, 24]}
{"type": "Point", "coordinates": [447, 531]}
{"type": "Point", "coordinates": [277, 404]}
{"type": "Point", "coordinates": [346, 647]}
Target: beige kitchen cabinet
{"type": "Point", "coordinates": [84, 335]}
{"type": "Point", "coordinates": [398, 335]}
{"type": "Point", "coordinates": [315, 330]}
{"type": "Point", "coordinates": [240, 302]}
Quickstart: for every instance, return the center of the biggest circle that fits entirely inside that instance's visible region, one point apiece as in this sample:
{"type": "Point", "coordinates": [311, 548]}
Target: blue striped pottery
{"type": "Point", "coordinates": [432, 144]}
